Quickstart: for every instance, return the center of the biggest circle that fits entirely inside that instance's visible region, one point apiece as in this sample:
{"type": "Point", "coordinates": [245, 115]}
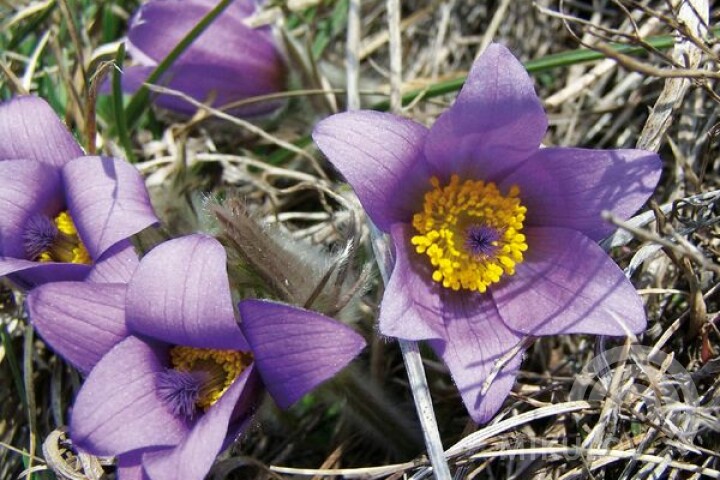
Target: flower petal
{"type": "Point", "coordinates": [496, 122]}
{"type": "Point", "coordinates": [568, 284]}
{"type": "Point", "coordinates": [223, 84]}
{"type": "Point", "coordinates": [295, 350]}
{"type": "Point", "coordinates": [116, 265]}
{"type": "Point", "coordinates": [160, 25]}
{"type": "Point", "coordinates": [28, 188]}
{"type": "Point", "coordinates": [118, 409]}
{"type": "Point", "coordinates": [80, 321]}
{"type": "Point", "coordinates": [30, 129]}
{"type": "Point", "coordinates": [380, 155]}
{"type": "Point", "coordinates": [410, 307]}
{"type": "Point", "coordinates": [475, 342]}
{"type": "Point", "coordinates": [129, 466]}
{"type": "Point", "coordinates": [107, 200]}
{"type": "Point", "coordinates": [194, 456]}
{"type": "Point", "coordinates": [570, 187]}
{"type": "Point", "coordinates": [26, 274]}
{"type": "Point", "coordinates": [180, 294]}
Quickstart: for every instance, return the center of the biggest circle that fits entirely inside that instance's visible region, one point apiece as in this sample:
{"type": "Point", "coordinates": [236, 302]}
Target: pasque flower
{"type": "Point", "coordinates": [494, 237]}
{"type": "Point", "coordinates": [173, 377]}
{"type": "Point", "coordinates": [62, 211]}
{"type": "Point", "coordinates": [228, 62]}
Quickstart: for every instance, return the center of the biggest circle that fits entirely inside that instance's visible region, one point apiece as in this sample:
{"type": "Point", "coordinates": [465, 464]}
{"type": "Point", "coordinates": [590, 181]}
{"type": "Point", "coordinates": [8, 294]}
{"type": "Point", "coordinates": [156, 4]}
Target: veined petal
{"type": "Point", "coordinates": [411, 307]}
{"type": "Point", "coordinates": [568, 284]}
{"type": "Point", "coordinates": [28, 188]}
{"type": "Point", "coordinates": [193, 457]}
{"type": "Point", "coordinates": [295, 350]}
{"type": "Point", "coordinates": [116, 265]}
{"type": "Point", "coordinates": [31, 130]}
{"type": "Point", "coordinates": [381, 157]}
{"type": "Point", "coordinates": [180, 294]}
{"type": "Point", "coordinates": [496, 122]}
{"type": "Point", "coordinates": [107, 200]}
{"type": "Point", "coordinates": [80, 321]}
{"type": "Point", "coordinates": [118, 409]}
{"type": "Point", "coordinates": [474, 345]}
{"type": "Point", "coordinates": [570, 187]}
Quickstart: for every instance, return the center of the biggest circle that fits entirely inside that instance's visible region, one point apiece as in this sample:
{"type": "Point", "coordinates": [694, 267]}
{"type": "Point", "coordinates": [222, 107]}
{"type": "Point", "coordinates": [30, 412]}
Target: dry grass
{"type": "Point", "coordinates": [644, 423]}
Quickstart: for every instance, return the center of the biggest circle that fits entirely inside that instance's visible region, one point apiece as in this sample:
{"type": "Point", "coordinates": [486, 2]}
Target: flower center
{"type": "Point", "coordinates": [55, 240]}
{"type": "Point", "coordinates": [199, 377]}
{"type": "Point", "coordinates": [470, 232]}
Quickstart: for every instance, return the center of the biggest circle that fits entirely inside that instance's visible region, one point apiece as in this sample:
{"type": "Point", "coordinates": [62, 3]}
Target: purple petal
{"type": "Point", "coordinates": [496, 122]}
{"type": "Point", "coordinates": [380, 155]}
{"type": "Point", "coordinates": [129, 466]}
{"type": "Point", "coordinates": [80, 321]}
{"type": "Point", "coordinates": [108, 201]}
{"type": "Point", "coordinates": [116, 265]}
{"type": "Point", "coordinates": [28, 188]}
{"type": "Point", "coordinates": [295, 350]}
{"type": "Point", "coordinates": [475, 343]}
{"type": "Point", "coordinates": [411, 306]}
{"type": "Point", "coordinates": [118, 409]}
{"type": "Point", "coordinates": [245, 407]}
{"type": "Point", "coordinates": [193, 457]}
{"type": "Point", "coordinates": [570, 187]}
{"type": "Point", "coordinates": [30, 129]}
{"type": "Point", "coordinates": [180, 294]}
{"type": "Point", "coordinates": [160, 25]}
{"type": "Point", "coordinates": [207, 69]}
{"type": "Point", "coordinates": [223, 83]}
{"type": "Point", "coordinates": [133, 78]}
{"type": "Point", "coordinates": [568, 284]}
{"type": "Point", "coordinates": [26, 274]}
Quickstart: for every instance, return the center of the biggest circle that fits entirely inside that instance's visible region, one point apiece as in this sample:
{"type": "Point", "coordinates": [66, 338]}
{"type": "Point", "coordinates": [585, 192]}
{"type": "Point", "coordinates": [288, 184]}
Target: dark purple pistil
{"type": "Point", "coordinates": [479, 240]}
{"type": "Point", "coordinates": [40, 233]}
{"type": "Point", "coordinates": [181, 390]}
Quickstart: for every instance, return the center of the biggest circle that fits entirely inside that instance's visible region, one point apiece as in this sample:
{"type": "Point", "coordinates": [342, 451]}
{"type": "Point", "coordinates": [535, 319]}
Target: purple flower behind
{"type": "Point", "coordinates": [184, 379]}
{"type": "Point", "coordinates": [494, 237]}
{"type": "Point", "coordinates": [227, 63]}
{"type": "Point", "coordinates": [62, 211]}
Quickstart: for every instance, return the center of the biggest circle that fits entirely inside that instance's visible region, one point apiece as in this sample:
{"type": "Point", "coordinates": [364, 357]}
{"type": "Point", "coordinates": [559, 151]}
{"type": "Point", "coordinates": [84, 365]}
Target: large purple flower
{"type": "Point", "coordinates": [61, 211]}
{"type": "Point", "coordinates": [494, 237]}
{"type": "Point", "coordinates": [228, 62]}
{"type": "Point", "coordinates": [173, 377]}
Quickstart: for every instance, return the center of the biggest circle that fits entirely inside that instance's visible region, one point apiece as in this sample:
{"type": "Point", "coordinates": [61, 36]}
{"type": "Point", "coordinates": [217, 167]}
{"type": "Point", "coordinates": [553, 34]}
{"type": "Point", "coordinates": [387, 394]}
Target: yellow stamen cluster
{"type": "Point", "coordinates": [67, 247]}
{"type": "Point", "coordinates": [449, 211]}
{"type": "Point", "coordinates": [222, 367]}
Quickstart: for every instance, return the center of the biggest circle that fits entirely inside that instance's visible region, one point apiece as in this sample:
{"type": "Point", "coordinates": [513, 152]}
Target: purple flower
{"type": "Point", "coordinates": [494, 237]}
{"type": "Point", "coordinates": [228, 62]}
{"type": "Point", "coordinates": [62, 211]}
{"type": "Point", "coordinates": [173, 376]}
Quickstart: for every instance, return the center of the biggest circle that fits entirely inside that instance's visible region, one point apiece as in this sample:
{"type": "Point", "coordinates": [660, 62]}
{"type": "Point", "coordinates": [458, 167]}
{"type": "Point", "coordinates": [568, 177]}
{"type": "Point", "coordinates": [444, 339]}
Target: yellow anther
{"type": "Point", "coordinates": [470, 233]}
{"type": "Point", "coordinates": [222, 367]}
{"type": "Point", "coordinates": [67, 246]}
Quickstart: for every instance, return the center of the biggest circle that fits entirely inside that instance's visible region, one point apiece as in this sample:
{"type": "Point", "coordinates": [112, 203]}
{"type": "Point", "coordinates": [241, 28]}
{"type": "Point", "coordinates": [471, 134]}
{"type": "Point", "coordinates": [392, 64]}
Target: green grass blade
{"type": "Point", "coordinates": [119, 108]}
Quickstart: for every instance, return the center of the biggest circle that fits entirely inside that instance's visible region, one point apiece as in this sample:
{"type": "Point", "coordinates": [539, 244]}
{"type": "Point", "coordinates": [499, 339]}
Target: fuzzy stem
{"type": "Point", "coordinates": [416, 373]}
